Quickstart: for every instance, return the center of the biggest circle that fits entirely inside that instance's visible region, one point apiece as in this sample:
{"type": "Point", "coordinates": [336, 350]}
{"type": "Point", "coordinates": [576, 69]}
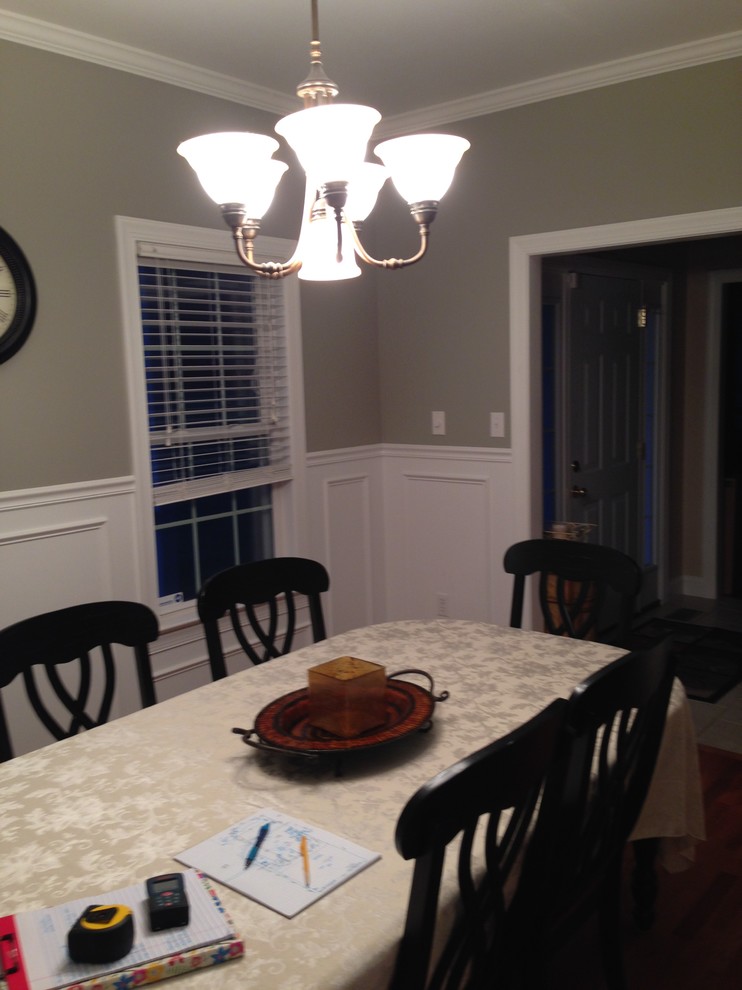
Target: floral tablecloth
{"type": "Point", "coordinates": [112, 807]}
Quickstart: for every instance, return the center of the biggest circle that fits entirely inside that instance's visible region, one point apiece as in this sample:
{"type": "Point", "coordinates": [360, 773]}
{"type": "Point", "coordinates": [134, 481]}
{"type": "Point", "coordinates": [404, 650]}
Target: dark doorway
{"type": "Point", "coordinates": [699, 269]}
{"type": "Point", "coordinates": [604, 352]}
{"type": "Point", "coordinates": [730, 428]}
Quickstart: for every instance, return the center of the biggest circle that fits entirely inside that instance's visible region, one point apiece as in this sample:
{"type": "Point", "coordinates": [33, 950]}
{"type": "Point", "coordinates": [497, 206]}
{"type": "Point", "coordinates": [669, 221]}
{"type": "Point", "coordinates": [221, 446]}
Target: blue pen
{"type": "Point", "coordinates": [250, 858]}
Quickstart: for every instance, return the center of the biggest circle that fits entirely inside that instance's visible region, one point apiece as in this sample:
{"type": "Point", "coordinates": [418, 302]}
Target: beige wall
{"type": "Point", "coordinates": [81, 144]}
{"type": "Point", "coordinates": [661, 146]}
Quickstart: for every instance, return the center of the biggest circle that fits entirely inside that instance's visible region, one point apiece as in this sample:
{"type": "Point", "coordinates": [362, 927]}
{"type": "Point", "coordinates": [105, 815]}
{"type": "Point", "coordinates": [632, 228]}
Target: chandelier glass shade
{"type": "Point", "coordinates": [238, 171]}
{"type": "Point", "coordinates": [236, 167]}
{"type": "Point", "coordinates": [322, 260]}
{"type": "Point", "coordinates": [330, 141]}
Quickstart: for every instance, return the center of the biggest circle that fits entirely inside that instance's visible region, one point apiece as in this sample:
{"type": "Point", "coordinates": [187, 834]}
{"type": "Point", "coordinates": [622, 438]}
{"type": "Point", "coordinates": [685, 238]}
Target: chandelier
{"type": "Point", "coordinates": [238, 171]}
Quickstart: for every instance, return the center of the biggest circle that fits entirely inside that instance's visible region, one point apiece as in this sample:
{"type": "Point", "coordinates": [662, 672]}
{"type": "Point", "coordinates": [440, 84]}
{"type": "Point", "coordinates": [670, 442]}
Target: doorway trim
{"type": "Point", "coordinates": [526, 253]}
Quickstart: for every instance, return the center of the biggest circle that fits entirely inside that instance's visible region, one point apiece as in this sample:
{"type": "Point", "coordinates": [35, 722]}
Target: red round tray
{"type": "Point", "coordinates": [283, 725]}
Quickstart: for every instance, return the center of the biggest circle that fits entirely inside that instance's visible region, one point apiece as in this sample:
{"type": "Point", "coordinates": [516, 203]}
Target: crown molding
{"type": "Point", "coordinates": [63, 41]}
{"type": "Point", "coordinates": [86, 47]}
{"type": "Point", "coordinates": [564, 84]}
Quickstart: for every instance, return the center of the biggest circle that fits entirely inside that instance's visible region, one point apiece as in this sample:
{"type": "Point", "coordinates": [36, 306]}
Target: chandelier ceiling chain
{"type": "Point", "coordinates": [239, 173]}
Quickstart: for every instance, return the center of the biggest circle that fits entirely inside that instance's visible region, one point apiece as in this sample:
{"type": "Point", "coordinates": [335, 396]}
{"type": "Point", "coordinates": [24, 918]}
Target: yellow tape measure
{"type": "Point", "coordinates": [102, 933]}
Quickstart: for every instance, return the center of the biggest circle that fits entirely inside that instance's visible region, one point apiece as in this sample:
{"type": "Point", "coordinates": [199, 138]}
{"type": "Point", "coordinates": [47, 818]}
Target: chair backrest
{"type": "Point", "coordinates": [573, 584]}
{"type": "Point", "coordinates": [72, 634]}
{"type": "Point", "coordinates": [596, 788]}
{"type": "Point", "coordinates": [491, 796]}
{"type": "Point", "coordinates": [615, 722]}
{"type": "Point", "coordinates": [240, 589]}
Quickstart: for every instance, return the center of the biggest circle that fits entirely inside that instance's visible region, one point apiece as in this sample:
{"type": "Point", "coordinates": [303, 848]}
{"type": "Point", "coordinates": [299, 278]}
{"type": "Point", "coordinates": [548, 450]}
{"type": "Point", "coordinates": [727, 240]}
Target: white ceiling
{"type": "Point", "coordinates": [397, 55]}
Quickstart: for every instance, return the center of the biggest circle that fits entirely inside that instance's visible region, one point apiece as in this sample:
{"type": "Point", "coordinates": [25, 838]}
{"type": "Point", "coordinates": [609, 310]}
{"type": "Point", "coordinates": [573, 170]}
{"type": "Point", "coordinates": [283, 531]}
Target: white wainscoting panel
{"type": "Point", "coordinates": [66, 544]}
{"type": "Point", "coordinates": [345, 526]}
{"type": "Point", "coordinates": [60, 546]}
{"type": "Point", "coordinates": [447, 515]}
{"type": "Point", "coordinates": [411, 532]}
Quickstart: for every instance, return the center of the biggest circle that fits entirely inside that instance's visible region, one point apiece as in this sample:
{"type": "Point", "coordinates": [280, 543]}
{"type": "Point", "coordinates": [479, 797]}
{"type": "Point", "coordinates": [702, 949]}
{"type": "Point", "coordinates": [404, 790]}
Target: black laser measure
{"type": "Point", "coordinates": [167, 902]}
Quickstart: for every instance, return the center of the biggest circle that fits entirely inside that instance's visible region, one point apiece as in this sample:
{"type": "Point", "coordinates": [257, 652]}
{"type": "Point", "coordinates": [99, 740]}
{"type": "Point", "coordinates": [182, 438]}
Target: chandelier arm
{"type": "Point", "coordinates": [423, 214]}
{"type": "Point", "coordinates": [392, 262]}
{"type": "Point", "coordinates": [244, 237]}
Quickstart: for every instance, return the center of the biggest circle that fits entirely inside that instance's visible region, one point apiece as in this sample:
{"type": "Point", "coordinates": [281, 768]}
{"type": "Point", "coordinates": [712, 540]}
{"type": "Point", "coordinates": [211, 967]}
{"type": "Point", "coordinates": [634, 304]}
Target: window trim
{"type": "Point", "coordinates": [185, 243]}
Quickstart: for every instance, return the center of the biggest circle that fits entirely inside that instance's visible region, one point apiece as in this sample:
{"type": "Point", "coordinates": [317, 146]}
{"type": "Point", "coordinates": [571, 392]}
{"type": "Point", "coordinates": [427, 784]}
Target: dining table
{"type": "Point", "coordinates": [115, 805]}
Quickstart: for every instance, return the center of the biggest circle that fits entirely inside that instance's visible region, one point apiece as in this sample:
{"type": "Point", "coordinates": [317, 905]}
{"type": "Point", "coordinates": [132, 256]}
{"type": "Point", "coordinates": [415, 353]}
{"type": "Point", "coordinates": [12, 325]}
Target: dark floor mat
{"type": "Point", "coordinates": [683, 614]}
{"type": "Point", "coordinates": [709, 660]}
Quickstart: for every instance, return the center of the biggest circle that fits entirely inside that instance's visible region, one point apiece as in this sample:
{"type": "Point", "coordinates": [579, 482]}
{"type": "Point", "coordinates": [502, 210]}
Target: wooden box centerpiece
{"type": "Point", "coordinates": [346, 696]}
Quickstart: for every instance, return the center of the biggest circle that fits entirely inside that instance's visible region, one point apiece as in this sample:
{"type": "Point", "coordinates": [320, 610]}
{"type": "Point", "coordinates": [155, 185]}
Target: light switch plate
{"type": "Point", "coordinates": [438, 424]}
{"type": "Point", "coordinates": [497, 424]}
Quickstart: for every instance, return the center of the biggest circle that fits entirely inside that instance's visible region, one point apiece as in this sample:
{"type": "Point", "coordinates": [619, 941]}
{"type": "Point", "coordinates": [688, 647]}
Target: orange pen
{"type": "Point", "coordinates": [305, 858]}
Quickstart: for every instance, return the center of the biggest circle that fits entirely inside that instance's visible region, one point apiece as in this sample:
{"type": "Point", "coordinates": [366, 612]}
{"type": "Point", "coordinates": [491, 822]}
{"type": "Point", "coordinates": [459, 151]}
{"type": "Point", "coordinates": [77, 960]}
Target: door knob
{"type": "Point", "coordinates": [577, 492]}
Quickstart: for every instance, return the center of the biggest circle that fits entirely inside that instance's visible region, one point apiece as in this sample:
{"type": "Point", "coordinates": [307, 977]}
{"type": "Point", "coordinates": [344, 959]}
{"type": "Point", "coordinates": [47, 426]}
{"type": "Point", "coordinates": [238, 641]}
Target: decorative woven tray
{"type": "Point", "coordinates": [283, 725]}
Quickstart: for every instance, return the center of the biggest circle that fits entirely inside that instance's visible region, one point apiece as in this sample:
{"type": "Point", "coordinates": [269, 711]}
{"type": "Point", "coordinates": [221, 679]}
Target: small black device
{"type": "Point", "coordinates": [102, 933]}
{"type": "Point", "coordinates": [167, 902]}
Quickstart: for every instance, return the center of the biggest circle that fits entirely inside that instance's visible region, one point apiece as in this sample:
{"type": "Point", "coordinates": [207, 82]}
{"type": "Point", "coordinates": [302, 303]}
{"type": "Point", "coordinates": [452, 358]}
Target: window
{"type": "Point", "coordinates": [213, 415]}
{"type": "Point", "coordinates": [215, 372]}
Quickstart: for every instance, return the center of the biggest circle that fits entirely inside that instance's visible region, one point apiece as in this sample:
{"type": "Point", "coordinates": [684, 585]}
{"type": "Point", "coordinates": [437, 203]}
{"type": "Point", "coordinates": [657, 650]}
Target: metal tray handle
{"type": "Point", "coordinates": [258, 743]}
{"type": "Point", "coordinates": [423, 673]}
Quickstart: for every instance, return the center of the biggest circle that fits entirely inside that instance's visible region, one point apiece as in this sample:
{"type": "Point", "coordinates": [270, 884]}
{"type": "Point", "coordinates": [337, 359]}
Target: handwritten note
{"type": "Point", "coordinates": [277, 878]}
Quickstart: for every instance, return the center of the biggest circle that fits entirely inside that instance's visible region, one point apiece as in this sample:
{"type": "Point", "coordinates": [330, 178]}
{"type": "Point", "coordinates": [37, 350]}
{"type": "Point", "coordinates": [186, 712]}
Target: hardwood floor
{"type": "Point", "coordinates": [696, 941]}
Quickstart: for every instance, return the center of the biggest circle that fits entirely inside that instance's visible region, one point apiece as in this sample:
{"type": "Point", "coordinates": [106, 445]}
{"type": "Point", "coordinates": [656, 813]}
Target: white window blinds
{"type": "Point", "coordinates": [216, 377]}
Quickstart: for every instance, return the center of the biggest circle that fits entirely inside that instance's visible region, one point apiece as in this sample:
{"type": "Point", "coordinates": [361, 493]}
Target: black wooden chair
{"type": "Point", "coordinates": [491, 796]}
{"type": "Point", "coordinates": [73, 634]}
{"type": "Point", "coordinates": [595, 792]}
{"type": "Point", "coordinates": [576, 581]}
{"type": "Point", "coordinates": [266, 583]}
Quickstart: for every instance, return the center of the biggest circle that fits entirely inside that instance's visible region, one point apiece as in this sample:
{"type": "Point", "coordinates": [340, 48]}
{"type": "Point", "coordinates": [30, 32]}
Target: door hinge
{"type": "Point", "coordinates": [641, 317]}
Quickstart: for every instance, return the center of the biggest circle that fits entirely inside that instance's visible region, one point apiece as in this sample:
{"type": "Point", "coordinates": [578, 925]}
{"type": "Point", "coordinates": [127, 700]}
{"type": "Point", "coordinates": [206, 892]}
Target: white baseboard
{"type": "Point", "coordinates": [693, 587]}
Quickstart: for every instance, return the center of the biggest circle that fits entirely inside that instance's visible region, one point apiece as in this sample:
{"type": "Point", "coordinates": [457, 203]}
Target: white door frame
{"type": "Point", "coordinates": [525, 348]}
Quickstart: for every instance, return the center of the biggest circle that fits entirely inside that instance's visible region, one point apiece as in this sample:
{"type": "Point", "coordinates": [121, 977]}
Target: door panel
{"type": "Point", "coordinates": [604, 403]}
{"type": "Point", "coordinates": [602, 408]}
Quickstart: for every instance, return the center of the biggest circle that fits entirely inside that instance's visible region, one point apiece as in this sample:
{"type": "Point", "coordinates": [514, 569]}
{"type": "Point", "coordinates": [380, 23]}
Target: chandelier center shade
{"type": "Point", "coordinates": [238, 171]}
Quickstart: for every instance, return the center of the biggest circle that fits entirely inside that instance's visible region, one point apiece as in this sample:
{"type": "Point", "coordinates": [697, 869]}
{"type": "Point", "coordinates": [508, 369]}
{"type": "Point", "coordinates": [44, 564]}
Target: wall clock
{"type": "Point", "coordinates": [17, 297]}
